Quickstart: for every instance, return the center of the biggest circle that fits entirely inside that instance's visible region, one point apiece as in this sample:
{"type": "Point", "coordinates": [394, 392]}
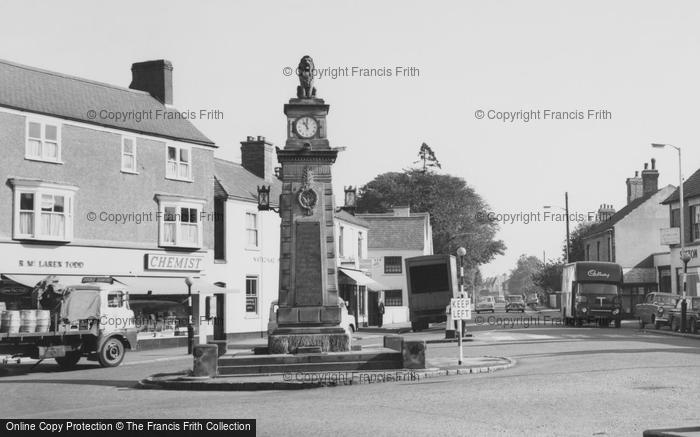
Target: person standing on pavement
{"type": "Point", "coordinates": [380, 311]}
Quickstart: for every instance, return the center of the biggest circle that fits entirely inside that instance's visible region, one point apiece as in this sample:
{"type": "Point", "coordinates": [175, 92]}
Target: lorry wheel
{"type": "Point", "coordinates": [111, 353]}
{"type": "Point", "coordinates": [69, 361]}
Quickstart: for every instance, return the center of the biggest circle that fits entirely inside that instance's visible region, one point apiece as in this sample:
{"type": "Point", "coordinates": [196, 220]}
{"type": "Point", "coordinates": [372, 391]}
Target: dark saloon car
{"type": "Point", "coordinates": [655, 309]}
{"type": "Point", "coordinates": [515, 302]}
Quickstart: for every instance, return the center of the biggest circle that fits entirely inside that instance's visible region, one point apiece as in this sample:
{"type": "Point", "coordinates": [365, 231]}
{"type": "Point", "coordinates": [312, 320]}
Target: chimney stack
{"type": "Point", "coordinates": [634, 188]}
{"type": "Point", "coordinates": [605, 212]}
{"type": "Point", "coordinates": [650, 178]}
{"type": "Point", "coordinates": [257, 157]}
{"type": "Point", "coordinates": [154, 77]}
{"type": "Point", "coordinates": [402, 211]}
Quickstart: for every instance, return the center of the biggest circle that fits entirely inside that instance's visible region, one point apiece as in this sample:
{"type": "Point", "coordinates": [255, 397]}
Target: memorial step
{"type": "Point", "coordinates": [310, 367]}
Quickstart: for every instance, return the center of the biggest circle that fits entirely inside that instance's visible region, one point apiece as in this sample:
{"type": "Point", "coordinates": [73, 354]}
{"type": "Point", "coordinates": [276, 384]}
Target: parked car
{"type": "Point", "coordinates": [655, 309]}
{"type": "Point", "coordinates": [515, 302]}
{"type": "Point", "coordinates": [692, 315]}
{"type": "Point", "coordinates": [485, 303]}
{"type": "Point", "coordinates": [347, 321]}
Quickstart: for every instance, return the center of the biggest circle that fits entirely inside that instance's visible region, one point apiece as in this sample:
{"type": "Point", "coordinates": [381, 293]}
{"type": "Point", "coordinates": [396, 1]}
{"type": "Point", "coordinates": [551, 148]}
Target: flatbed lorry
{"type": "Point", "coordinates": [91, 319]}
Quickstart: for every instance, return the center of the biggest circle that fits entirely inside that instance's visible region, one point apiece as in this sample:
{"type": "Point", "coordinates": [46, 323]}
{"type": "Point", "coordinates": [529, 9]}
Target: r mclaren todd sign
{"type": "Point", "coordinates": [157, 261]}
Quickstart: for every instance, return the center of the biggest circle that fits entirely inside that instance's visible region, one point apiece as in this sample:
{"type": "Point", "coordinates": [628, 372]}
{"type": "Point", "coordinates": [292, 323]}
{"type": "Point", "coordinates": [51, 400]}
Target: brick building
{"type": "Point", "coordinates": [691, 216]}
{"type": "Point", "coordinates": [630, 236]}
{"type": "Point", "coordinates": [86, 195]}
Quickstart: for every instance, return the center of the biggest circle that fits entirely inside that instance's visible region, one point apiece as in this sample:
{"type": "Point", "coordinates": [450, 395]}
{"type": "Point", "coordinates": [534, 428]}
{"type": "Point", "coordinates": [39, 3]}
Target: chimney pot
{"type": "Point", "coordinates": [261, 138]}
{"type": "Point", "coordinates": [250, 138]}
{"type": "Point", "coordinates": [653, 163]}
{"type": "Point", "coordinates": [646, 166]}
{"type": "Point", "coordinates": [636, 174]}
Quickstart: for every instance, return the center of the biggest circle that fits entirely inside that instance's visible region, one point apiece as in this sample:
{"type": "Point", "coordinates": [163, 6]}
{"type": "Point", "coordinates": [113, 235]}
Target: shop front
{"type": "Point", "coordinates": [362, 294]}
{"type": "Point", "coordinates": [637, 283]}
{"type": "Point", "coordinates": [157, 283]}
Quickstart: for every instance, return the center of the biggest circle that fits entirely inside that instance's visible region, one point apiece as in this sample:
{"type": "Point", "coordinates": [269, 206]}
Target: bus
{"type": "Point", "coordinates": [591, 293]}
{"type": "Point", "coordinates": [432, 283]}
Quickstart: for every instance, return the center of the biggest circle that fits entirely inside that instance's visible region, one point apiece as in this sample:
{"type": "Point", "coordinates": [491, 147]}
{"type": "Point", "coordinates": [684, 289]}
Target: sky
{"type": "Point", "coordinates": [637, 60]}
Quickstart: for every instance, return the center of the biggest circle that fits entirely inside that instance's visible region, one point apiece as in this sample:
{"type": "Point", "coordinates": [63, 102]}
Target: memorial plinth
{"type": "Point", "coordinates": [309, 312]}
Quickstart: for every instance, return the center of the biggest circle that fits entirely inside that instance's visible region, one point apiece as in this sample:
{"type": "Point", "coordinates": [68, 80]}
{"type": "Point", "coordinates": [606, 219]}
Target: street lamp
{"type": "Point", "coordinates": [462, 323]}
{"type": "Point", "coordinates": [685, 257]}
{"type": "Point", "coordinates": [190, 328]}
{"type": "Point", "coordinates": [566, 211]}
{"type": "Point", "coordinates": [264, 199]}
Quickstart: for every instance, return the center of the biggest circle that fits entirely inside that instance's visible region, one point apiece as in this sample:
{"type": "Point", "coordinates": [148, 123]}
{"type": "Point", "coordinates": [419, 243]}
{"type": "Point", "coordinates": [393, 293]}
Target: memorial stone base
{"type": "Point", "coordinates": [288, 340]}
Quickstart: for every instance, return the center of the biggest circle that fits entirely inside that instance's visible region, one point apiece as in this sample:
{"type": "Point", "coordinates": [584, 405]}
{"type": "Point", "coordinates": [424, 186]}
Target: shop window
{"type": "Point", "coordinates": [251, 229]}
{"type": "Point", "coordinates": [393, 298]}
{"type": "Point", "coordinates": [178, 163]}
{"type": "Point", "coordinates": [341, 239]}
{"type": "Point", "coordinates": [392, 264]}
{"type": "Point", "coordinates": [42, 211]}
{"type": "Point", "coordinates": [180, 225]}
{"type": "Point", "coordinates": [43, 142]}
{"type": "Point", "coordinates": [128, 154]}
{"type": "Point", "coordinates": [251, 294]}
{"type": "Point", "coordinates": [695, 222]}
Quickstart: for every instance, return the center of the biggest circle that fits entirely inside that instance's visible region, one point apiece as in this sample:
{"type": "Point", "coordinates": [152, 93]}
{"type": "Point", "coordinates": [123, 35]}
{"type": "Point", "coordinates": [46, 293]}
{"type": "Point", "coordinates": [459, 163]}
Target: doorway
{"type": "Point", "coordinates": [372, 310]}
{"type": "Point", "coordinates": [219, 325]}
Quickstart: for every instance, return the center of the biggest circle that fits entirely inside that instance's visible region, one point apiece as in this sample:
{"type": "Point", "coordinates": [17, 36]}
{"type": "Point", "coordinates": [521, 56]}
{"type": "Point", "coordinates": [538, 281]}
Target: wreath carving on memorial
{"type": "Point", "coordinates": [307, 197]}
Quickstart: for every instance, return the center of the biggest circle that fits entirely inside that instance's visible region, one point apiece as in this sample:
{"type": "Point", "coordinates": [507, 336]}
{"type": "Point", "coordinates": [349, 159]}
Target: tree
{"type": "Point", "coordinates": [427, 156]}
{"type": "Point", "coordinates": [456, 210]}
{"type": "Point", "coordinates": [577, 249]}
{"type": "Point", "coordinates": [522, 277]}
{"type": "Point", "coordinates": [549, 277]}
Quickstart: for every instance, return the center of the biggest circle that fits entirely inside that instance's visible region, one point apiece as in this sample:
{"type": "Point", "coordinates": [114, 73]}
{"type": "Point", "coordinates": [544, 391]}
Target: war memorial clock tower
{"type": "Point", "coordinates": [309, 312]}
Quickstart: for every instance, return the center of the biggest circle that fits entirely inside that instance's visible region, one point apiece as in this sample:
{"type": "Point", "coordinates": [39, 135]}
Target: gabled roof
{"type": "Point", "coordinates": [347, 217]}
{"type": "Point", "coordinates": [387, 231]}
{"type": "Point", "coordinates": [691, 188]}
{"type": "Point", "coordinates": [239, 183]}
{"type": "Point", "coordinates": [608, 224]}
{"type": "Point", "coordinates": [44, 92]}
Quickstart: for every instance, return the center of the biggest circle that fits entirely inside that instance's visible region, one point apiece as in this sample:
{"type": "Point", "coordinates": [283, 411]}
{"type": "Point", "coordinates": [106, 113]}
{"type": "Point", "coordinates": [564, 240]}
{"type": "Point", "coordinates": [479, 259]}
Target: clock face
{"type": "Point", "coordinates": [306, 127]}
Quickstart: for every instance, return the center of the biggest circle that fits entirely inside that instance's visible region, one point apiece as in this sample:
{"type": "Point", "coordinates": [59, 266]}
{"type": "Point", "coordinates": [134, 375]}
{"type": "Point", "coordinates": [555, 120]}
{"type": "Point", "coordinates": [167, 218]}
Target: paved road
{"type": "Point", "coordinates": [568, 381]}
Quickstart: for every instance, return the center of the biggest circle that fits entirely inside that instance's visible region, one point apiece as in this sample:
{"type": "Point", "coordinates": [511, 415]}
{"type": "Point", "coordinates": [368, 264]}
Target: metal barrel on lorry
{"type": "Point", "coordinates": [9, 322]}
{"type": "Point", "coordinates": [27, 321]}
{"type": "Point", "coordinates": [43, 320]}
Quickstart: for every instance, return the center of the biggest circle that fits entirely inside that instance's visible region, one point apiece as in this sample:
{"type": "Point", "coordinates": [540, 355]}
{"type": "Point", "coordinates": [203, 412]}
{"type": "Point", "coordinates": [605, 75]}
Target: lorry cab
{"type": "Point", "coordinates": [102, 305]}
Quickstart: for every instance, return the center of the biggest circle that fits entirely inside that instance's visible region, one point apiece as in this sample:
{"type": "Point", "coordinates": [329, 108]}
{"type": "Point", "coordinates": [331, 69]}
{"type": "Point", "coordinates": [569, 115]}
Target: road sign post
{"type": "Point", "coordinates": [460, 309]}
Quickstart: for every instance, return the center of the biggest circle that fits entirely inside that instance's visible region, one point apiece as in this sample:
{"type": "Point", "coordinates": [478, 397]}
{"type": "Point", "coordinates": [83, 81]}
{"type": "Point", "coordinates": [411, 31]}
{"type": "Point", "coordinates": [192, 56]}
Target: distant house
{"type": "Point", "coordinates": [691, 214]}
{"type": "Point", "coordinates": [630, 236]}
{"type": "Point", "coordinates": [393, 237]}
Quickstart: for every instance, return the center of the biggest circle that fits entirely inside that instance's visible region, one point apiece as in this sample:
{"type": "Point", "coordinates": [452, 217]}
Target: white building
{"type": "Point", "coordinates": [247, 241]}
{"type": "Point", "coordinates": [392, 238]}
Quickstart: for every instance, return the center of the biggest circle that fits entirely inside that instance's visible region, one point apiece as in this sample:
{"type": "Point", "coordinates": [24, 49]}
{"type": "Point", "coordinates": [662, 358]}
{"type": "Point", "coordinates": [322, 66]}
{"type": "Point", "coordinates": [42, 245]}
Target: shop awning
{"type": "Point", "coordinates": [169, 285]}
{"type": "Point", "coordinates": [361, 279]}
{"type": "Point", "coordinates": [31, 280]}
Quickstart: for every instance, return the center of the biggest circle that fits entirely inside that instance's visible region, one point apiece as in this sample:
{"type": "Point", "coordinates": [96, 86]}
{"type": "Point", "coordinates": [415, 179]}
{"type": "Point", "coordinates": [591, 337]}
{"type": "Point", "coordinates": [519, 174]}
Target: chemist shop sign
{"type": "Point", "coordinates": [157, 261]}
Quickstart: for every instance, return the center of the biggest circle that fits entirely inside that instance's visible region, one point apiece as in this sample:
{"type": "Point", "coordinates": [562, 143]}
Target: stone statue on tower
{"type": "Point", "coordinates": [306, 72]}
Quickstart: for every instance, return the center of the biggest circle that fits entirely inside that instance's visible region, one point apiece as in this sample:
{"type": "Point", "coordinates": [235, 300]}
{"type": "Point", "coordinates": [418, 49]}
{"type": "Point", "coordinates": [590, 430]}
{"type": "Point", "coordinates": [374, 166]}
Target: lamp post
{"type": "Point", "coordinates": [566, 211]}
{"type": "Point", "coordinates": [685, 257]}
{"type": "Point", "coordinates": [190, 328]}
{"type": "Point", "coordinates": [461, 323]}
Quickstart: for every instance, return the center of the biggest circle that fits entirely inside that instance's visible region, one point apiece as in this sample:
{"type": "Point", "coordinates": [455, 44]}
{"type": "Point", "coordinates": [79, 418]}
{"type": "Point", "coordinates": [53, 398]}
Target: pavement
{"type": "Point", "coordinates": [435, 367]}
